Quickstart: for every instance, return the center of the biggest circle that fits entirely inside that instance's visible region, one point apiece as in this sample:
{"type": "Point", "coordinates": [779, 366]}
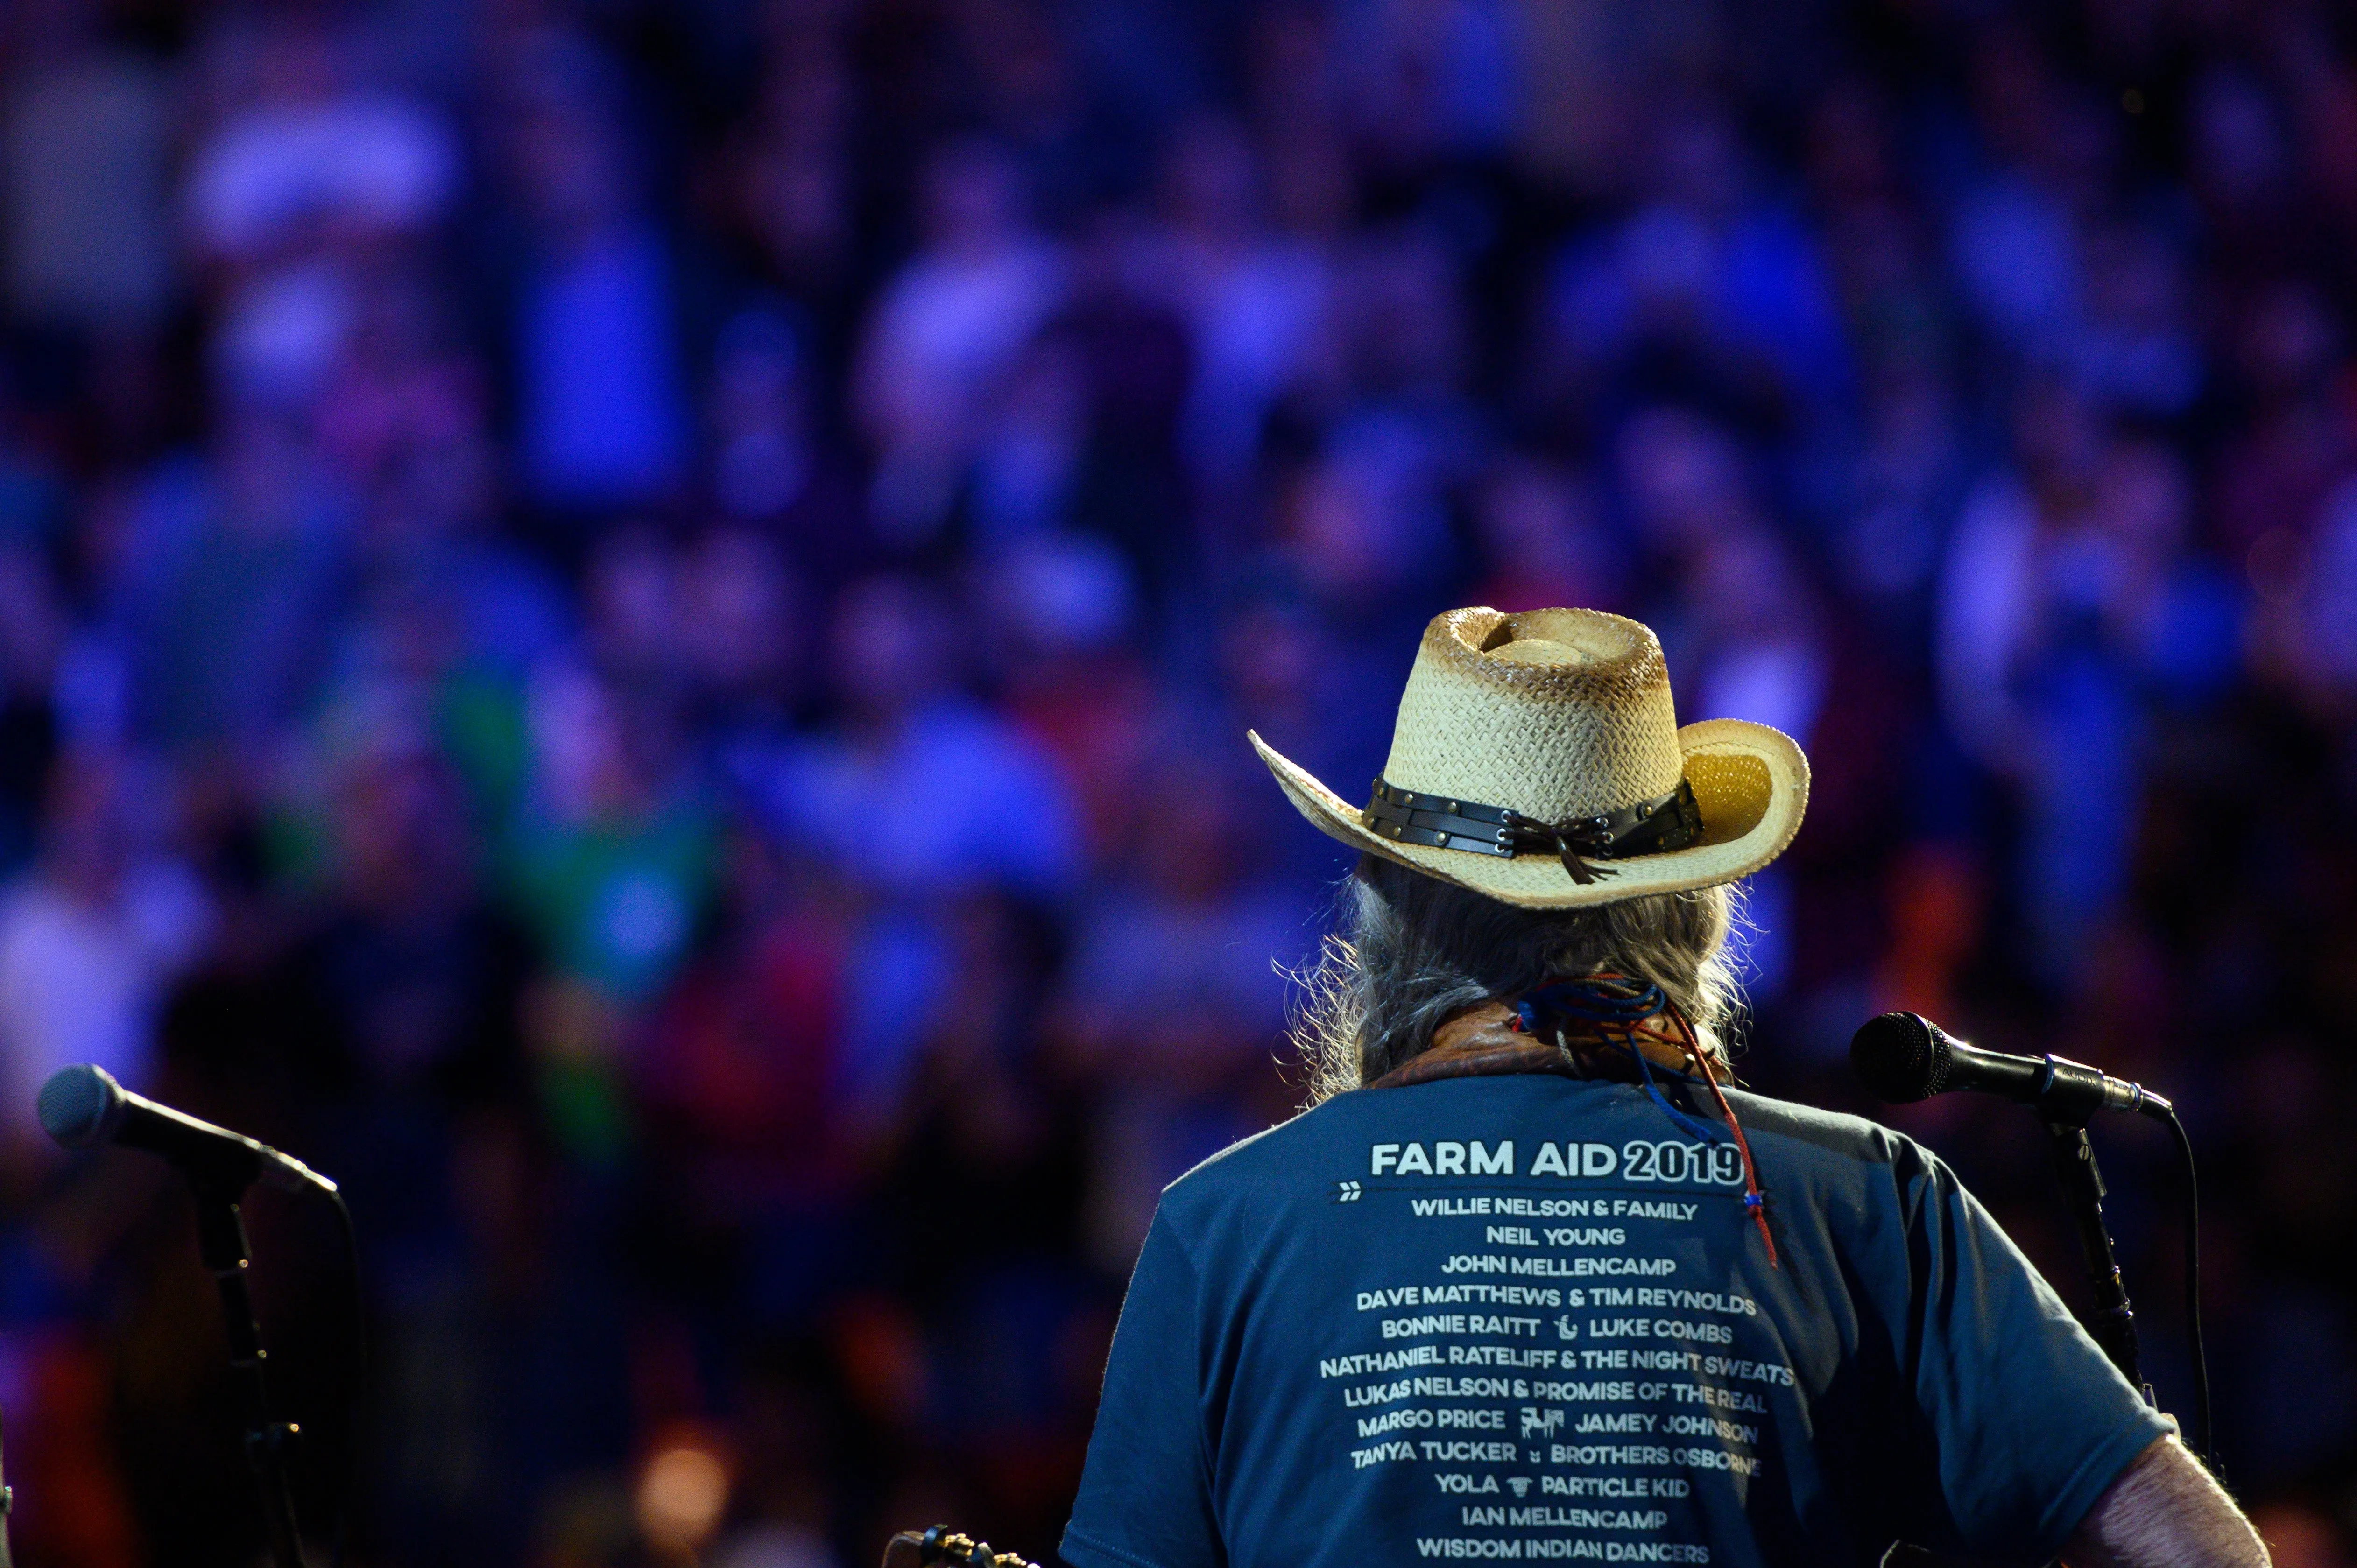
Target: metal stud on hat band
{"type": "Point", "coordinates": [1438, 822]}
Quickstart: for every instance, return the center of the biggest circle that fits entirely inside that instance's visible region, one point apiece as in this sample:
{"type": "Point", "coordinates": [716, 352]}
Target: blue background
{"type": "Point", "coordinates": [629, 625]}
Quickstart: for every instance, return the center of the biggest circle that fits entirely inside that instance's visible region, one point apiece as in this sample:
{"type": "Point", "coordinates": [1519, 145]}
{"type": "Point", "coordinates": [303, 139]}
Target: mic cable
{"type": "Point", "coordinates": [2193, 1294]}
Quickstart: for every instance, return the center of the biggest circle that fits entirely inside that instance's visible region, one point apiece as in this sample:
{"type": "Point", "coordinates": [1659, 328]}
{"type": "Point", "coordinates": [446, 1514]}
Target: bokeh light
{"type": "Point", "coordinates": [683, 1494]}
{"type": "Point", "coordinates": [629, 627]}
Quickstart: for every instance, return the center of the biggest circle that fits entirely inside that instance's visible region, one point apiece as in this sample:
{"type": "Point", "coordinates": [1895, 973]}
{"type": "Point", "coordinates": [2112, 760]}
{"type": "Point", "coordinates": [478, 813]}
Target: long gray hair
{"type": "Point", "coordinates": [1416, 951]}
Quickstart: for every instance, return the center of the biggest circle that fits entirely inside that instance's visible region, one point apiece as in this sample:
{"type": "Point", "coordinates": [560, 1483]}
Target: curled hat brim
{"type": "Point", "coordinates": [1751, 782]}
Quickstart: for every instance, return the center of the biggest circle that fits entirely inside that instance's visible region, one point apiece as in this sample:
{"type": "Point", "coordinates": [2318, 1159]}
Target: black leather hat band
{"type": "Point", "coordinates": [1440, 821]}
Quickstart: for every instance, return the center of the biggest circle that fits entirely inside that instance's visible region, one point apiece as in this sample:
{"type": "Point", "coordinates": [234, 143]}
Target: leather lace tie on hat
{"type": "Point", "coordinates": [1445, 822]}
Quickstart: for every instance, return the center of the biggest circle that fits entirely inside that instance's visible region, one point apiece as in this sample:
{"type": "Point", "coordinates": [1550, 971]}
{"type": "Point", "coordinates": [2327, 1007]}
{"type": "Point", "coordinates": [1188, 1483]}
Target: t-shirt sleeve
{"type": "Point", "coordinates": [1146, 1493]}
{"type": "Point", "coordinates": [2029, 1419]}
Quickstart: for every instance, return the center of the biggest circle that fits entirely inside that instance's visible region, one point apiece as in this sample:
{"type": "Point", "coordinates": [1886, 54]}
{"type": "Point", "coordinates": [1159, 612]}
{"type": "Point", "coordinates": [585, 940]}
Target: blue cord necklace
{"type": "Point", "coordinates": [1610, 1004]}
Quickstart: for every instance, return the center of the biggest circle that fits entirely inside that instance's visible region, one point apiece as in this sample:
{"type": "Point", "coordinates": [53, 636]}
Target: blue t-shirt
{"type": "Point", "coordinates": [1529, 1317]}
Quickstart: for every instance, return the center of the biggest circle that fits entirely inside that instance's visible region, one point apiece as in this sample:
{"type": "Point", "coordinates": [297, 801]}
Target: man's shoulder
{"type": "Point", "coordinates": [1301, 1136]}
{"type": "Point", "coordinates": [1833, 1151]}
{"type": "Point", "coordinates": [1834, 1131]}
{"type": "Point", "coordinates": [1318, 1133]}
{"type": "Point", "coordinates": [1298, 1158]}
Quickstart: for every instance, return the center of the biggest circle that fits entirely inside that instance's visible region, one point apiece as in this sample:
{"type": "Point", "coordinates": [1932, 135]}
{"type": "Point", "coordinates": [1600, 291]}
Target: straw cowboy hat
{"type": "Point", "coordinates": [1537, 760]}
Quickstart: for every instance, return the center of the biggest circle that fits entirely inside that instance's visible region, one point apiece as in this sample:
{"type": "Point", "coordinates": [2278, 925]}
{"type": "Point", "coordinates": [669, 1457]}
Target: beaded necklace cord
{"type": "Point", "coordinates": [1615, 1007]}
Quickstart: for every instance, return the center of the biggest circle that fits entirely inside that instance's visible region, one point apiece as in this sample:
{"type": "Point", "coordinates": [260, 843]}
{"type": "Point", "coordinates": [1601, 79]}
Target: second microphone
{"type": "Point", "coordinates": [1903, 1057]}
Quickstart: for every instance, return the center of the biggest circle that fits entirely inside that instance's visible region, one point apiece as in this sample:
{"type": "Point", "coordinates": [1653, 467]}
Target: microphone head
{"type": "Point", "coordinates": [80, 1105]}
{"type": "Point", "coordinates": [1901, 1057]}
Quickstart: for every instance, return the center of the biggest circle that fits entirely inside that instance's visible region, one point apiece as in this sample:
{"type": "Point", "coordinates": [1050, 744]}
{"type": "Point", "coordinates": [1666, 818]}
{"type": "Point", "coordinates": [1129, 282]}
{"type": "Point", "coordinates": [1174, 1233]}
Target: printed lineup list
{"type": "Point", "coordinates": [1548, 1372]}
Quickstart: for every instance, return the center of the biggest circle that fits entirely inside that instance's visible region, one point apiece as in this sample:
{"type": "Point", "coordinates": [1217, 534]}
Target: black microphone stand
{"type": "Point", "coordinates": [222, 1244]}
{"type": "Point", "coordinates": [2113, 1323]}
{"type": "Point", "coordinates": [2066, 1101]}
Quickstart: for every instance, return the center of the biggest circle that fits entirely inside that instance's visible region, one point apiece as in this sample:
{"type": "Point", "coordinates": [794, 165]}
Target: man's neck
{"type": "Point", "coordinates": [1484, 1041]}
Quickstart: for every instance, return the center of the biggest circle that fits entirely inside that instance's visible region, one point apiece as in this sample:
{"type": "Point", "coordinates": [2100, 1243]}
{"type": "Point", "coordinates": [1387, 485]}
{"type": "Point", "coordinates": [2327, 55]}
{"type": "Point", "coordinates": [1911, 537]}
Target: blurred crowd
{"type": "Point", "coordinates": [628, 626]}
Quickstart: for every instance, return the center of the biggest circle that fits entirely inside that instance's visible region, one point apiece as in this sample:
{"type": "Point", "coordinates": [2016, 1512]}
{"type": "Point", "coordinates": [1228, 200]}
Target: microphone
{"type": "Point", "coordinates": [1902, 1056]}
{"type": "Point", "coordinates": [82, 1107]}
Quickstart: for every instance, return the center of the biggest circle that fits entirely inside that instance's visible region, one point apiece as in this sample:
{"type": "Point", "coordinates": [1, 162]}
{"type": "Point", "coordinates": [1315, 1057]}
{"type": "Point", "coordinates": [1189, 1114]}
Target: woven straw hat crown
{"type": "Point", "coordinates": [1560, 715]}
{"type": "Point", "coordinates": [1556, 714]}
